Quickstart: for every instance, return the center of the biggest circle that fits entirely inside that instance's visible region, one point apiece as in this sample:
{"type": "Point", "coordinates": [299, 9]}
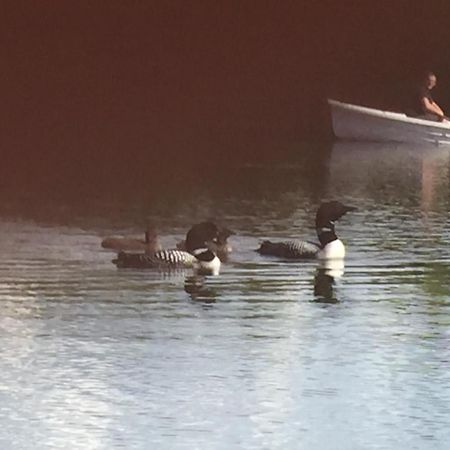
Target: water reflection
{"type": "Point", "coordinates": [327, 272]}
{"type": "Point", "coordinates": [324, 287]}
{"type": "Point", "coordinates": [400, 173]}
{"type": "Point", "coordinates": [198, 290]}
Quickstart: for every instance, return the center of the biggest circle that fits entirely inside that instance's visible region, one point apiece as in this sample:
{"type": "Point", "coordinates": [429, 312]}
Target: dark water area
{"type": "Point", "coordinates": [29, 187]}
{"type": "Point", "coordinates": [269, 353]}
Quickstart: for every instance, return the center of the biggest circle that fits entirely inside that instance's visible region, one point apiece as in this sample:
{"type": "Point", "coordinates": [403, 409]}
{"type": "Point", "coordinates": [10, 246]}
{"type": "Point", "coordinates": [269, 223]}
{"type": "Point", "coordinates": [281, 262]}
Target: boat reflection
{"type": "Point", "coordinates": [386, 173]}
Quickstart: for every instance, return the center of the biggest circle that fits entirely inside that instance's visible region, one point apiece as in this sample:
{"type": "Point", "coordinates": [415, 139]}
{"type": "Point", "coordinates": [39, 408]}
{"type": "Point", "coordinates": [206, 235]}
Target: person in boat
{"type": "Point", "coordinates": [425, 106]}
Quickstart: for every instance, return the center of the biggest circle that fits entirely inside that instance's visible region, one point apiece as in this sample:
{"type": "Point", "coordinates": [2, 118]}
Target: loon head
{"type": "Point", "coordinates": [327, 214]}
{"type": "Point", "coordinates": [200, 234]}
{"type": "Point", "coordinates": [221, 246]}
{"type": "Point", "coordinates": [151, 234]}
{"type": "Point", "coordinates": [197, 239]}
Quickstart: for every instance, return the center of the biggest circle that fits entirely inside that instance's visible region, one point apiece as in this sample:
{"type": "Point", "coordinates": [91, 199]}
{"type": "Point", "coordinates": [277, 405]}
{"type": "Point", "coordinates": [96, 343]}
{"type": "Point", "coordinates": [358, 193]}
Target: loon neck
{"type": "Point", "coordinates": [203, 254]}
{"type": "Point", "coordinates": [326, 234]}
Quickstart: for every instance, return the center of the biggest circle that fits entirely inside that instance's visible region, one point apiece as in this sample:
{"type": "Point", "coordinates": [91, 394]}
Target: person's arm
{"type": "Point", "coordinates": [440, 112]}
{"type": "Point", "coordinates": [432, 107]}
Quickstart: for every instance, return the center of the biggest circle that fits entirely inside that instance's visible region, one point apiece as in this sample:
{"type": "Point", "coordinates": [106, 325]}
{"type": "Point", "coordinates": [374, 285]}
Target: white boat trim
{"type": "Point", "coordinates": [354, 122]}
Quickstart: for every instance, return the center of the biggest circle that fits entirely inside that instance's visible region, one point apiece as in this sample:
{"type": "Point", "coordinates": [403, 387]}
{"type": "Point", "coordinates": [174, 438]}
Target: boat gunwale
{"type": "Point", "coordinates": [389, 115]}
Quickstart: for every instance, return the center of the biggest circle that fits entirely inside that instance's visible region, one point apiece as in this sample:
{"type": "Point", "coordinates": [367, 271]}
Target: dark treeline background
{"type": "Point", "coordinates": [87, 83]}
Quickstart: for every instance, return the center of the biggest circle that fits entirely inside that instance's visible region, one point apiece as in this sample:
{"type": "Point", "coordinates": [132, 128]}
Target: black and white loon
{"type": "Point", "coordinates": [329, 247]}
{"type": "Point", "coordinates": [221, 247]}
{"type": "Point", "coordinates": [197, 254]}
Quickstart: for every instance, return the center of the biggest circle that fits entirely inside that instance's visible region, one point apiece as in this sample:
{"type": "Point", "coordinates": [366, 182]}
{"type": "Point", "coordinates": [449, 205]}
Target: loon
{"type": "Point", "coordinates": [149, 245]}
{"type": "Point", "coordinates": [329, 247]}
{"type": "Point", "coordinates": [197, 254]}
{"type": "Point", "coordinates": [221, 247]}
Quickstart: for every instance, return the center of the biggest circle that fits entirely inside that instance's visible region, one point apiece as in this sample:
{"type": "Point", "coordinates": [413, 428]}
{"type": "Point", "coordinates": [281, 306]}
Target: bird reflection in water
{"type": "Point", "coordinates": [195, 286]}
{"type": "Point", "coordinates": [324, 281]}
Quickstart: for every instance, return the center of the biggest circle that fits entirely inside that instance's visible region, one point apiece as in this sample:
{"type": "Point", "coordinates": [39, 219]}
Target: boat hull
{"type": "Point", "coordinates": [360, 123]}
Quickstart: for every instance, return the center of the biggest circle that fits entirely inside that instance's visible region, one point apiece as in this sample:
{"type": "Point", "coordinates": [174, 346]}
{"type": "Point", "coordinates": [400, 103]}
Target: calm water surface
{"type": "Point", "coordinates": [267, 355]}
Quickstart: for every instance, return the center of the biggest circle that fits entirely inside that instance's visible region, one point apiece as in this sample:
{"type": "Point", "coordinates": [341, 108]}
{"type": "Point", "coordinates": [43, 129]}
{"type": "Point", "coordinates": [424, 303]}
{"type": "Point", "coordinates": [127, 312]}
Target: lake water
{"type": "Point", "coordinates": [269, 354]}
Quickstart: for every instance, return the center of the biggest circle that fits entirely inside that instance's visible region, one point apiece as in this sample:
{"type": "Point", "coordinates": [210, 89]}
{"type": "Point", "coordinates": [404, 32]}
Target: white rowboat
{"type": "Point", "coordinates": [360, 123]}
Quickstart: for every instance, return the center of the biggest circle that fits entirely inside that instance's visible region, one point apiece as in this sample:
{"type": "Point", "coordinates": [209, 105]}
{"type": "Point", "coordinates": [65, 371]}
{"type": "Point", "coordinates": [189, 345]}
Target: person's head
{"type": "Point", "coordinates": [429, 80]}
